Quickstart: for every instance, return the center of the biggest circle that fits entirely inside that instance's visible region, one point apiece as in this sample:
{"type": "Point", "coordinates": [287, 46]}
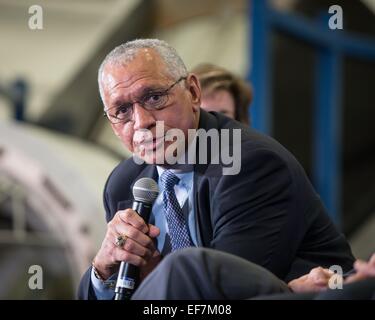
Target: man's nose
{"type": "Point", "coordinates": [143, 119]}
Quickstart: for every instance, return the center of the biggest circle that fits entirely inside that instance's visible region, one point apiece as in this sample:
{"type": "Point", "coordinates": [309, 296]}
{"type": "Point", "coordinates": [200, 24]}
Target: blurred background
{"type": "Point", "coordinates": [314, 91]}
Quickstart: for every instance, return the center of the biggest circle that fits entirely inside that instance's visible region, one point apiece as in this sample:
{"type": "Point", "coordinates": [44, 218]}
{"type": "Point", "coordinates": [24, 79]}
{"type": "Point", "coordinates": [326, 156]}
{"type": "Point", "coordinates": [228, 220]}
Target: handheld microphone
{"type": "Point", "coordinates": [145, 192]}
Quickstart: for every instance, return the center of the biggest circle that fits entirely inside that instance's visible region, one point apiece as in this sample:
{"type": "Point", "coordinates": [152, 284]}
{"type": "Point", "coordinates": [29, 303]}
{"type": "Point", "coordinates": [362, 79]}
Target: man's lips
{"type": "Point", "coordinates": [150, 143]}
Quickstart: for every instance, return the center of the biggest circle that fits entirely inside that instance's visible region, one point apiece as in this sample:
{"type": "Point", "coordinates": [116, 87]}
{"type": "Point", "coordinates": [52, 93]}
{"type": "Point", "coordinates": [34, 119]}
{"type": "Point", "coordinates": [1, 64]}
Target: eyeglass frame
{"type": "Point", "coordinates": [141, 103]}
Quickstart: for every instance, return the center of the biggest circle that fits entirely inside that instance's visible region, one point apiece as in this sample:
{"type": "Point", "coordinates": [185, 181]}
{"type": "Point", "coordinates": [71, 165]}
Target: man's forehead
{"type": "Point", "coordinates": [148, 54]}
{"type": "Point", "coordinates": [145, 65]}
{"type": "Point", "coordinates": [135, 81]}
{"type": "Point", "coordinates": [141, 59]}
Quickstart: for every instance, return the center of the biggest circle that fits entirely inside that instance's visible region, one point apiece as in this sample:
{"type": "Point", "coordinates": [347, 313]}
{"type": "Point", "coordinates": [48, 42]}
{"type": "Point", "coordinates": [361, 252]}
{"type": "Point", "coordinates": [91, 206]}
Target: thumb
{"type": "Point", "coordinates": [153, 231]}
{"type": "Point", "coordinates": [319, 276]}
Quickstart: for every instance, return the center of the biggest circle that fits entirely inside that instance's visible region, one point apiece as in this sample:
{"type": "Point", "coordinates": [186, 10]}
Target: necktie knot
{"type": "Point", "coordinates": [169, 180]}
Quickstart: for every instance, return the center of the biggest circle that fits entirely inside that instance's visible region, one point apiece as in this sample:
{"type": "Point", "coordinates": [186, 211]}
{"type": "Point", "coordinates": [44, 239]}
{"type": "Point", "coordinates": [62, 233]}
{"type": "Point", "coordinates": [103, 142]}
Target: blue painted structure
{"type": "Point", "coordinates": [331, 47]}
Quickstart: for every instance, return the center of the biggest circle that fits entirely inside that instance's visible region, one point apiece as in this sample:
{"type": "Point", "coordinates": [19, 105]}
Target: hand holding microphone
{"type": "Point", "coordinates": [138, 245]}
{"type": "Point", "coordinates": [145, 191]}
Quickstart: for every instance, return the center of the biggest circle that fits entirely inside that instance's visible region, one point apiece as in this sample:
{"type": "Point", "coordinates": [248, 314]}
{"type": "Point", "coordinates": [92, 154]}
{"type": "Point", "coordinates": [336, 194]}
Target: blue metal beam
{"type": "Point", "coordinates": [327, 166]}
{"type": "Point", "coordinates": [319, 35]}
{"type": "Point", "coordinates": [261, 107]}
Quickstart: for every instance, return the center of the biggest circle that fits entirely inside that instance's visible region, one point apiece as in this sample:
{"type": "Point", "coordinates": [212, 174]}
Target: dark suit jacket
{"type": "Point", "coordinates": [269, 213]}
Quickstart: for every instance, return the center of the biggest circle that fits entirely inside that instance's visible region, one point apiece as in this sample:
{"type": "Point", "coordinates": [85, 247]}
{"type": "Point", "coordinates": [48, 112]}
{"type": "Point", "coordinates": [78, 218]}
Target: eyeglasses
{"type": "Point", "coordinates": [151, 101]}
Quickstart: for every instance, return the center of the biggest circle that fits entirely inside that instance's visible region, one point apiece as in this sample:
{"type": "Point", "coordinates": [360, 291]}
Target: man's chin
{"type": "Point", "coordinates": [158, 156]}
{"type": "Point", "coordinates": [152, 157]}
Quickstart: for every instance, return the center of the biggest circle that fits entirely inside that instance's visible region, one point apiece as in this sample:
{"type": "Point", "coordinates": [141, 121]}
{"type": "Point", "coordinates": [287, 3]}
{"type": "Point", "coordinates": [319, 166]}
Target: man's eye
{"type": "Point", "coordinates": [121, 111]}
{"type": "Point", "coordinates": [154, 98]}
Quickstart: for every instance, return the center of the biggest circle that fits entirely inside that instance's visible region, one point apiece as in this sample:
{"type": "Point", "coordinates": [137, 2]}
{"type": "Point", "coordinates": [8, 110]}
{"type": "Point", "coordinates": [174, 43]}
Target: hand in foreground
{"type": "Point", "coordinates": [316, 280]}
{"type": "Point", "coordinates": [363, 270]}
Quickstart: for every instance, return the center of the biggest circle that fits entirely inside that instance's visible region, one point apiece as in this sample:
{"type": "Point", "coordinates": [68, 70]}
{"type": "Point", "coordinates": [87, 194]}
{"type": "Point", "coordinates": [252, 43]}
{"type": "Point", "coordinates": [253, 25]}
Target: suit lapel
{"type": "Point", "coordinates": [202, 216]}
{"type": "Point", "coordinates": [149, 171]}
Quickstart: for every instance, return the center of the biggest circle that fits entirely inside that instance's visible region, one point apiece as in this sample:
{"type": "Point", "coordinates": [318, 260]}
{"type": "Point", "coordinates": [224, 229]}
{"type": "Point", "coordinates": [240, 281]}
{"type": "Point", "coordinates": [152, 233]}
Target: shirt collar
{"type": "Point", "coordinates": [186, 177]}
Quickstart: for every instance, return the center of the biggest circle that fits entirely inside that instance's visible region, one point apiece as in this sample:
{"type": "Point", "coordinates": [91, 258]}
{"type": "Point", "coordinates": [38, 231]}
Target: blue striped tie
{"type": "Point", "coordinates": [177, 226]}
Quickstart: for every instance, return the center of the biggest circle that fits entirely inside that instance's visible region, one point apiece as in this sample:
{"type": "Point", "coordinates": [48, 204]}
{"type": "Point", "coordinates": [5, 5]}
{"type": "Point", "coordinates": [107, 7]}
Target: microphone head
{"type": "Point", "coordinates": [145, 190]}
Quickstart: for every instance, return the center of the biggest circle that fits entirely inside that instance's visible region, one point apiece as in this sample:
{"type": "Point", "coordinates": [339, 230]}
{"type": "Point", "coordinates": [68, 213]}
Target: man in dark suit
{"type": "Point", "coordinates": [267, 213]}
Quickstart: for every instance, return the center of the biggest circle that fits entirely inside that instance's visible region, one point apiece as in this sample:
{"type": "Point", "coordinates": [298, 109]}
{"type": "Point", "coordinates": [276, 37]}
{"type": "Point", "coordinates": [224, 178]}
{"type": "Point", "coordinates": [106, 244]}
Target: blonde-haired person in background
{"type": "Point", "coordinates": [225, 92]}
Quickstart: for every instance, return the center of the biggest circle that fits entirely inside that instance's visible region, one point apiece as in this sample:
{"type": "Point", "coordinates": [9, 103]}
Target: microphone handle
{"type": "Point", "coordinates": [127, 281]}
{"type": "Point", "coordinates": [128, 276]}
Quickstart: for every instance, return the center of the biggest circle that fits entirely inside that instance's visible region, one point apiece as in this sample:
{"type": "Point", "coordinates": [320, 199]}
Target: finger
{"type": "Point", "coordinates": [130, 246]}
{"type": "Point", "coordinates": [122, 255]}
{"type": "Point", "coordinates": [364, 268]}
{"type": "Point", "coordinates": [134, 234]}
{"type": "Point", "coordinates": [153, 231]}
{"type": "Point", "coordinates": [156, 254]}
{"type": "Point", "coordinates": [372, 260]}
{"type": "Point", "coordinates": [319, 276]}
{"type": "Point", "coordinates": [327, 273]}
{"type": "Point", "coordinates": [355, 277]}
{"type": "Point", "coordinates": [321, 282]}
{"type": "Point", "coordinates": [360, 265]}
{"type": "Point", "coordinates": [109, 242]}
{"type": "Point", "coordinates": [133, 218]}
{"type": "Point", "coordinates": [299, 280]}
{"type": "Point", "coordinates": [317, 273]}
{"type": "Point", "coordinates": [304, 284]}
{"type": "Point", "coordinates": [136, 249]}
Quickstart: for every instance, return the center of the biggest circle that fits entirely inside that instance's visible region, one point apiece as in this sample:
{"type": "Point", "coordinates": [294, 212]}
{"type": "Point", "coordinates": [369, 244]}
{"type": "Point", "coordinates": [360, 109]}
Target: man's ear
{"type": "Point", "coordinates": [194, 88]}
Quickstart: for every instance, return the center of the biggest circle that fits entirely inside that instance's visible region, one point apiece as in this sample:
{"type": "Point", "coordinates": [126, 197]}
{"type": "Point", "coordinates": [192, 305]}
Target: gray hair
{"type": "Point", "coordinates": [127, 51]}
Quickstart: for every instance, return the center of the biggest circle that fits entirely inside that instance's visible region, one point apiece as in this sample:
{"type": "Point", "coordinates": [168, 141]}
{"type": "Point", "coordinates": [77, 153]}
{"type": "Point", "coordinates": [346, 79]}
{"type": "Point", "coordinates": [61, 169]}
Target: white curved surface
{"type": "Point", "coordinates": [76, 170]}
